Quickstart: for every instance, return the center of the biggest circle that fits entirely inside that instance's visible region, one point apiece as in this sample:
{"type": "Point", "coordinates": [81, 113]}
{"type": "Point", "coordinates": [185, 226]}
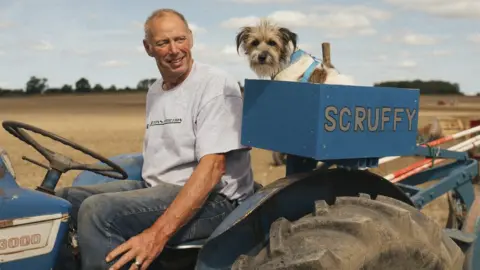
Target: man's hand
{"type": "Point", "coordinates": [146, 246]}
{"type": "Point", "coordinates": [143, 249]}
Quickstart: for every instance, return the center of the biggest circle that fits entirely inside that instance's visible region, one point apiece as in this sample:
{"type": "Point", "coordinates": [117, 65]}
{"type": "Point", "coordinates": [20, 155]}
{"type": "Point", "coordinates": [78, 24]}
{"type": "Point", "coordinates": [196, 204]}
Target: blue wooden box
{"type": "Point", "coordinates": [328, 122]}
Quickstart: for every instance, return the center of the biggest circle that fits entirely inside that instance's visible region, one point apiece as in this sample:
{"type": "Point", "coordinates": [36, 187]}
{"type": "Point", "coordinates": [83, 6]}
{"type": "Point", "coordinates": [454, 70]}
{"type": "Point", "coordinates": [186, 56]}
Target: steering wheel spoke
{"type": "Point", "coordinates": [101, 169]}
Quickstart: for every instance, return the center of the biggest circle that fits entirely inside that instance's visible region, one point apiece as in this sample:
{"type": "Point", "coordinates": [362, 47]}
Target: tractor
{"type": "Point", "coordinates": [339, 215]}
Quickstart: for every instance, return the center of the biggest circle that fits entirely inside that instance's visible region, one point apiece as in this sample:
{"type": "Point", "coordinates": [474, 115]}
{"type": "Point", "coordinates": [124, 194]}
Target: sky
{"type": "Point", "coordinates": [372, 41]}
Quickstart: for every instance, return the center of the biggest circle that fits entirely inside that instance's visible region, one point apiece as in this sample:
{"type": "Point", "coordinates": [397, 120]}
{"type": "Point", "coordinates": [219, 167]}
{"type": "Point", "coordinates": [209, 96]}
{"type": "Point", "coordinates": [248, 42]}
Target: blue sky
{"type": "Point", "coordinates": [371, 41]}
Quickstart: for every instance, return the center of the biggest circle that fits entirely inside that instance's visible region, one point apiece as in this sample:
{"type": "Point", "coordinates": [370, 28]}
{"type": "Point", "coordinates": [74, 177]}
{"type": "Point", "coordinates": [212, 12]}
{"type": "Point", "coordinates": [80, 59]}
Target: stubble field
{"type": "Point", "coordinates": [114, 124]}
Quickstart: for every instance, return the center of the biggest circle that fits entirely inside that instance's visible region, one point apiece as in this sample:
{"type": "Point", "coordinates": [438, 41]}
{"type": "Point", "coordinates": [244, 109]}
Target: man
{"type": "Point", "coordinates": [195, 169]}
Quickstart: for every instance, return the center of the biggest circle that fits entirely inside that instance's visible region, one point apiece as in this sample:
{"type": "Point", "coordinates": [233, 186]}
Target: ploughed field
{"type": "Point", "coordinates": [112, 124]}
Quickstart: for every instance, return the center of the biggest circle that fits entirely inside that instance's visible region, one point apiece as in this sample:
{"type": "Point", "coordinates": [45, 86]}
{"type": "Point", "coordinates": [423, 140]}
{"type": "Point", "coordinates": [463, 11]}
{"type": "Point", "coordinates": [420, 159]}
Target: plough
{"type": "Point", "coordinates": [419, 166]}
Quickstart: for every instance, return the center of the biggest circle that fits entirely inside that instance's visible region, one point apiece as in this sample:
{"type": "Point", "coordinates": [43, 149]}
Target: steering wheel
{"type": "Point", "coordinates": [59, 161]}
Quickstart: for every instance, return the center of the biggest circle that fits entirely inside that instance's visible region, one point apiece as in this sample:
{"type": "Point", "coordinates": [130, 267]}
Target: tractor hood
{"type": "Point", "coordinates": [17, 202]}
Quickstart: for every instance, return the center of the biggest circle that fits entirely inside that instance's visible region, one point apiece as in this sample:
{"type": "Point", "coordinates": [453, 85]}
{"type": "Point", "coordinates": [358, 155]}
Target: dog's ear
{"type": "Point", "coordinates": [288, 35]}
{"type": "Point", "coordinates": [242, 36]}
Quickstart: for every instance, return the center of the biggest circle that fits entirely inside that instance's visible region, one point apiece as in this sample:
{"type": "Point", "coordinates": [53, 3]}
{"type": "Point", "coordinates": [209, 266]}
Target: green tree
{"type": "Point", "coordinates": [36, 85]}
{"type": "Point", "coordinates": [66, 88]}
{"type": "Point", "coordinates": [112, 88]}
{"type": "Point", "coordinates": [83, 86]}
{"type": "Point", "coordinates": [98, 88]}
{"type": "Point", "coordinates": [145, 84]}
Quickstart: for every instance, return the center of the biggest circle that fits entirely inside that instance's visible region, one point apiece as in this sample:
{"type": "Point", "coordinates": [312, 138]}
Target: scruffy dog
{"type": "Point", "coordinates": [272, 52]}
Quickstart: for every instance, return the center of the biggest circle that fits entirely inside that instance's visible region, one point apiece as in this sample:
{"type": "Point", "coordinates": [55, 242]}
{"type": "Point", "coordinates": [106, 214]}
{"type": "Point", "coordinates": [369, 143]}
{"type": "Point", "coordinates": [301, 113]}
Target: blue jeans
{"type": "Point", "coordinates": [106, 215]}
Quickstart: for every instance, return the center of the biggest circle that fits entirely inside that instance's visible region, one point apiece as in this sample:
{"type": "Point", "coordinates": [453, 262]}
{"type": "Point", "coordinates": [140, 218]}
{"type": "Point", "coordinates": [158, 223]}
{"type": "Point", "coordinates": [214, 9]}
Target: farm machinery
{"type": "Point", "coordinates": [337, 216]}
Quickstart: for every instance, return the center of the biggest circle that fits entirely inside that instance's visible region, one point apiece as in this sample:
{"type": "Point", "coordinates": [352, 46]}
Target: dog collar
{"type": "Point", "coordinates": [299, 53]}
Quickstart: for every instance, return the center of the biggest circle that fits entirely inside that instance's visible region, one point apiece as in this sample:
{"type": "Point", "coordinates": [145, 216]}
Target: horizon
{"type": "Point", "coordinates": [372, 41]}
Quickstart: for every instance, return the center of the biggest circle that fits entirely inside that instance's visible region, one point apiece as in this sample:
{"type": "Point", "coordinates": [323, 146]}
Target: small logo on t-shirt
{"type": "Point", "coordinates": [164, 122]}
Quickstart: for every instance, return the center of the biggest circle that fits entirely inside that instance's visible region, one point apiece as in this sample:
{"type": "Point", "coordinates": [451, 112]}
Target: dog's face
{"type": "Point", "coordinates": [267, 46]}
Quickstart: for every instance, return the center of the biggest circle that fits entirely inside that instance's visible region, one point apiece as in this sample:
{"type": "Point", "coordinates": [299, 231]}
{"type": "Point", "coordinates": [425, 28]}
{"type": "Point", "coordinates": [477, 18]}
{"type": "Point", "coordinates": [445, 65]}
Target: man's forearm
{"type": "Point", "coordinates": [192, 196]}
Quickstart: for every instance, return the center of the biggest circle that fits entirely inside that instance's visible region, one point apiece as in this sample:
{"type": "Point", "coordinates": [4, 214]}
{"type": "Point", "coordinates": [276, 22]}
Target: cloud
{"type": "Point", "coordinates": [382, 58]}
{"type": "Point", "coordinates": [217, 54]}
{"type": "Point", "coordinates": [238, 22]}
{"type": "Point", "coordinates": [441, 52]}
{"type": "Point", "coordinates": [442, 8]}
{"type": "Point", "coordinates": [113, 63]}
{"type": "Point", "coordinates": [370, 12]}
{"type": "Point", "coordinates": [93, 16]}
{"type": "Point", "coordinates": [229, 50]}
{"type": "Point", "coordinates": [199, 47]}
{"type": "Point", "coordinates": [412, 39]}
{"type": "Point", "coordinates": [5, 25]}
{"type": "Point", "coordinates": [337, 20]}
{"type": "Point", "coordinates": [43, 45]}
{"type": "Point", "coordinates": [475, 38]}
{"type": "Point", "coordinates": [306, 46]}
{"type": "Point", "coordinates": [196, 29]}
{"type": "Point", "coordinates": [137, 24]}
{"type": "Point", "coordinates": [419, 39]}
{"type": "Point", "coordinates": [140, 49]}
{"type": "Point", "coordinates": [80, 52]}
{"type": "Point", "coordinates": [407, 64]}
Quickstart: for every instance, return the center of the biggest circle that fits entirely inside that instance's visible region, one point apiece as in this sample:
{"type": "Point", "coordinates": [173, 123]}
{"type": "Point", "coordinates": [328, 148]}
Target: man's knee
{"type": "Point", "coordinates": [94, 208]}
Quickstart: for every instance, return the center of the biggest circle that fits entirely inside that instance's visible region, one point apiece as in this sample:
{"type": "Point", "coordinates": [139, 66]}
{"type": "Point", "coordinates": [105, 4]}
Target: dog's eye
{"type": "Point", "coordinates": [255, 43]}
{"type": "Point", "coordinates": [271, 43]}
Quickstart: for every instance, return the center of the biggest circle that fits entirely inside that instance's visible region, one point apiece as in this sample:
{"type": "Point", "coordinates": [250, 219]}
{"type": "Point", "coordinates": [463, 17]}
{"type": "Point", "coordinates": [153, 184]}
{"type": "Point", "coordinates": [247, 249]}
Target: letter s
{"type": "Point", "coordinates": [330, 119]}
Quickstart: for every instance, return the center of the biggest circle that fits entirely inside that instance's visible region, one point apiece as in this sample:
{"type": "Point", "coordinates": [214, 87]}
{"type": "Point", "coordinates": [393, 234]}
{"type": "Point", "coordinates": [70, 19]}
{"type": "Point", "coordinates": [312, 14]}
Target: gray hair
{"type": "Point", "coordinates": [160, 13]}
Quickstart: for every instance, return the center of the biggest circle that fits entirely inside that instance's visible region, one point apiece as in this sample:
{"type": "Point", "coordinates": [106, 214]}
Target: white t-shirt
{"type": "Point", "coordinates": [198, 117]}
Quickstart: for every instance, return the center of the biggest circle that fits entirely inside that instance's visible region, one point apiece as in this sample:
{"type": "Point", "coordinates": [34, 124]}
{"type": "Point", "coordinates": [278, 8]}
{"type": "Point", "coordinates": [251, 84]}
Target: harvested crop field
{"type": "Point", "coordinates": [112, 124]}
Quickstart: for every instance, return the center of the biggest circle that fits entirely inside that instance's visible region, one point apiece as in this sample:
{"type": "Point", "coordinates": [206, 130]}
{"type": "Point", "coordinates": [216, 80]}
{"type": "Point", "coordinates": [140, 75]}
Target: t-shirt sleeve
{"type": "Point", "coordinates": [219, 122]}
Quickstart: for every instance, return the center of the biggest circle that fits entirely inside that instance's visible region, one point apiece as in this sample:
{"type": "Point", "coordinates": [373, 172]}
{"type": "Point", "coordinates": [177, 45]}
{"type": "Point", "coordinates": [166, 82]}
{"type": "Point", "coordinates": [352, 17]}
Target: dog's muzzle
{"type": "Point", "coordinates": [262, 57]}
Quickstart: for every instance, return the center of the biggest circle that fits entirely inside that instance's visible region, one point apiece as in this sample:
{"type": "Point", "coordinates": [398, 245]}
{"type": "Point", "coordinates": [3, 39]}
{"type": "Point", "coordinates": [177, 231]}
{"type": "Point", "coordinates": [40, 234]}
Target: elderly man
{"type": "Point", "coordinates": [195, 169]}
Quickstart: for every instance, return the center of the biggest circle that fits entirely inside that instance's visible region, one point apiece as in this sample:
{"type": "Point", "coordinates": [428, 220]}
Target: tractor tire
{"type": "Point", "coordinates": [357, 233]}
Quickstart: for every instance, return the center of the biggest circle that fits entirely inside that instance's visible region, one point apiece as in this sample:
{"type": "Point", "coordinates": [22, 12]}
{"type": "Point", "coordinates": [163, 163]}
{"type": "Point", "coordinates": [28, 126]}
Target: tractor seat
{"type": "Point", "coordinates": [198, 244]}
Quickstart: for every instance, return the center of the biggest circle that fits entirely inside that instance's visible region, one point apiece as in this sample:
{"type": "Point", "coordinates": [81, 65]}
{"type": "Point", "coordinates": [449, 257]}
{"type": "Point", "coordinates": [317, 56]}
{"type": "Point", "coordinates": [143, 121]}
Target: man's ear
{"type": "Point", "coordinates": [191, 38]}
{"type": "Point", "coordinates": [148, 48]}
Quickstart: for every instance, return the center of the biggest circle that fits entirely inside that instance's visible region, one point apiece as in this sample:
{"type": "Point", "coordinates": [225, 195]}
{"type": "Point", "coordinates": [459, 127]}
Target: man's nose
{"type": "Point", "coordinates": [173, 48]}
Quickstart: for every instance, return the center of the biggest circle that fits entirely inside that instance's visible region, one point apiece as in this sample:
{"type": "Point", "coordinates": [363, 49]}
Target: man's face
{"type": "Point", "coordinates": [170, 44]}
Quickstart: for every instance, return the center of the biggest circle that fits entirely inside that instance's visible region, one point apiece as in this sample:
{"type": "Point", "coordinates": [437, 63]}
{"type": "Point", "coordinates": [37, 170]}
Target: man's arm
{"type": "Point", "coordinates": [192, 196]}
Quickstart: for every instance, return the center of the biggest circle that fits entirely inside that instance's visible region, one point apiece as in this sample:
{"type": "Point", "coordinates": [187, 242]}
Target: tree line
{"type": "Point", "coordinates": [37, 86]}
{"type": "Point", "coordinates": [433, 87]}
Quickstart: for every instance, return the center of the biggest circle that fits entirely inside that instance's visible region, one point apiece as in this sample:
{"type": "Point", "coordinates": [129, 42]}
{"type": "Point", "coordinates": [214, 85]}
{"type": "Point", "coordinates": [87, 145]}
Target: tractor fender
{"type": "Point", "coordinates": [131, 163]}
{"type": "Point", "coordinates": [246, 229]}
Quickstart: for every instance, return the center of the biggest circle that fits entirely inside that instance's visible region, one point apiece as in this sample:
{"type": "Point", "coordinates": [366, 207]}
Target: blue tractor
{"type": "Point", "coordinates": [337, 216]}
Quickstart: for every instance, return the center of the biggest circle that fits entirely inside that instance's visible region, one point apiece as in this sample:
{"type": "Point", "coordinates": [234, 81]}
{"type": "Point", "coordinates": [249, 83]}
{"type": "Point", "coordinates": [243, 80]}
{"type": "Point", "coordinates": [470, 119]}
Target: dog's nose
{"type": "Point", "coordinates": [262, 57]}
